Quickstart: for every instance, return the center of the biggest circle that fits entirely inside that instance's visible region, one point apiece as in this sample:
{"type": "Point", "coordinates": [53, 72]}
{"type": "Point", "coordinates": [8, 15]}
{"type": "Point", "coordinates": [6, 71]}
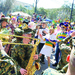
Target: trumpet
{"type": "Point", "coordinates": [6, 36]}
{"type": "Point", "coordinates": [30, 67]}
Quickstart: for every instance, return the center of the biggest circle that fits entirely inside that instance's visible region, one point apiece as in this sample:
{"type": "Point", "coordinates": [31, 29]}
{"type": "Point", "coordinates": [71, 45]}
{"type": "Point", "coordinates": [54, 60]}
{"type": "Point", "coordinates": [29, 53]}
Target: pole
{"type": "Point", "coordinates": [71, 11]}
{"type": "Point", "coordinates": [36, 6]}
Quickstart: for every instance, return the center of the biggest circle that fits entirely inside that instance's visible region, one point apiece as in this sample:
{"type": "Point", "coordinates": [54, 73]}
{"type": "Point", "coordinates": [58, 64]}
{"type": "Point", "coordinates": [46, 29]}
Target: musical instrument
{"type": "Point", "coordinates": [30, 67]}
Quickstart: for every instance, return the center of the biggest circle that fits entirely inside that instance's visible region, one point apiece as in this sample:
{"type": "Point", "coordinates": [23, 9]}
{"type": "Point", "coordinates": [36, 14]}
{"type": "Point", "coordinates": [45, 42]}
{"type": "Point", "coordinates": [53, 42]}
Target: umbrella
{"type": "Point", "coordinates": [21, 13]}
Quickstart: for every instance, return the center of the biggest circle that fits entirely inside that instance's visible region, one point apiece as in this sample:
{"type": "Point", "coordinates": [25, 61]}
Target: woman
{"type": "Point", "coordinates": [47, 48]}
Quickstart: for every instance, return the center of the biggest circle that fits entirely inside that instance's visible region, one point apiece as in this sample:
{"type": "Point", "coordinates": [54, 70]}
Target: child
{"type": "Point", "coordinates": [47, 48]}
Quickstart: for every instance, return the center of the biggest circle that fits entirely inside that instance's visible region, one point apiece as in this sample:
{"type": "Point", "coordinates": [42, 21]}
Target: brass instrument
{"type": "Point", "coordinates": [30, 67]}
{"type": "Point", "coordinates": [25, 26]}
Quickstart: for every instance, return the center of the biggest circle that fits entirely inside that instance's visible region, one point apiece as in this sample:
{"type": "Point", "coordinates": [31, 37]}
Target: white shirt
{"type": "Point", "coordinates": [40, 32]}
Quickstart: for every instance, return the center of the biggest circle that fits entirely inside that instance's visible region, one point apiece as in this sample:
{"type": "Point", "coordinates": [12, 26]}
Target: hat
{"type": "Point", "coordinates": [28, 31]}
{"type": "Point", "coordinates": [3, 19]}
{"type": "Point", "coordinates": [26, 21]}
{"type": "Point", "coordinates": [66, 24]}
{"type": "Point", "coordinates": [63, 24]}
{"type": "Point", "coordinates": [18, 31]}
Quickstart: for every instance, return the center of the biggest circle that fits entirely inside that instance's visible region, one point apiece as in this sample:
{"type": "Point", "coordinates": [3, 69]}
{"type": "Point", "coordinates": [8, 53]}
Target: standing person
{"type": "Point", "coordinates": [49, 24]}
{"type": "Point", "coordinates": [69, 30]}
{"type": "Point", "coordinates": [21, 53]}
{"type": "Point", "coordinates": [43, 32]}
{"type": "Point", "coordinates": [4, 23]}
{"type": "Point", "coordinates": [60, 36]}
{"type": "Point", "coordinates": [18, 16]}
{"type": "Point", "coordinates": [47, 48]}
{"type": "Point", "coordinates": [57, 29]}
{"type": "Point", "coordinates": [12, 25]}
{"type": "Point", "coordinates": [8, 66]}
{"type": "Point", "coordinates": [4, 30]}
{"type": "Point", "coordinates": [44, 17]}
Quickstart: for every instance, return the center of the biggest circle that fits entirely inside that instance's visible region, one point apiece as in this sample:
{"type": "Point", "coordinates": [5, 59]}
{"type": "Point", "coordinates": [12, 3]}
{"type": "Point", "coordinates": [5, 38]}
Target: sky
{"type": "Point", "coordinates": [47, 3]}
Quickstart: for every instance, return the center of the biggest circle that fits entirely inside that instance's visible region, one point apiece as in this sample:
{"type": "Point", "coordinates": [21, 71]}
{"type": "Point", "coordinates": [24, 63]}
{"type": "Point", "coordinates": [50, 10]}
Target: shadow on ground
{"type": "Point", "coordinates": [45, 66]}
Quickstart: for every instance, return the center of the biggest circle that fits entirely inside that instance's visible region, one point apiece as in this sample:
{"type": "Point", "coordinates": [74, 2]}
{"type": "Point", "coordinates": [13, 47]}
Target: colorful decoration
{"type": "Point", "coordinates": [13, 18]}
{"type": "Point", "coordinates": [53, 22]}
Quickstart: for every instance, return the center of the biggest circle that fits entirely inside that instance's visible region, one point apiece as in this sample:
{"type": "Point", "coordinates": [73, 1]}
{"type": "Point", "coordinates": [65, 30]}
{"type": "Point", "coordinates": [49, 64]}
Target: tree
{"type": "Point", "coordinates": [42, 11]}
{"type": "Point", "coordinates": [6, 5]}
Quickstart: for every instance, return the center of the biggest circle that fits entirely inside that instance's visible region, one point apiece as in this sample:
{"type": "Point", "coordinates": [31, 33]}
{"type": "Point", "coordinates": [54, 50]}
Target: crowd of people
{"type": "Point", "coordinates": [51, 36]}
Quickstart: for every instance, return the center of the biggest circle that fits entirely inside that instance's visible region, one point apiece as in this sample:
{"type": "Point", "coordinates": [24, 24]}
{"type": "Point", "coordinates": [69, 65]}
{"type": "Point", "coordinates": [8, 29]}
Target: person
{"type": "Point", "coordinates": [7, 65]}
{"type": "Point", "coordinates": [65, 51]}
{"type": "Point", "coordinates": [49, 24]}
{"type": "Point", "coordinates": [18, 51]}
{"type": "Point", "coordinates": [4, 30]}
{"type": "Point", "coordinates": [71, 60]}
{"type": "Point", "coordinates": [13, 25]}
{"type": "Point", "coordinates": [60, 36]}
{"type": "Point", "coordinates": [69, 30]}
{"type": "Point", "coordinates": [43, 32]}
{"type": "Point", "coordinates": [4, 23]}
{"type": "Point", "coordinates": [57, 29]}
{"type": "Point", "coordinates": [21, 53]}
{"type": "Point", "coordinates": [18, 16]}
{"type": "Point", "coordinates": [47, 48]}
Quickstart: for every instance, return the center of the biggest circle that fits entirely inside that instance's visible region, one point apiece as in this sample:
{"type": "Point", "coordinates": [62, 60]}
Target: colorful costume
{"type": "Point", "coordinates": [7, 64]}
{"type": "Point", "coordinates": [60, 36]}
{"type": "Point", "coordinates": [47, 48]}
{"type": "Point", "coordinates": [21, 53]}
{"type": "Point", "coordinates": [65, 51]}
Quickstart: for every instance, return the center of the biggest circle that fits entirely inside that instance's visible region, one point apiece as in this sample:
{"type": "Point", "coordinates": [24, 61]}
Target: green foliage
{"type": "Point", "coordinates": [19, 8]}
{"type": "Point", "coordinates": [54, 14]}
{"type": "Point", "coordinates": [42, 11]}
{"type": "Point", "coordinates": [6, 5]}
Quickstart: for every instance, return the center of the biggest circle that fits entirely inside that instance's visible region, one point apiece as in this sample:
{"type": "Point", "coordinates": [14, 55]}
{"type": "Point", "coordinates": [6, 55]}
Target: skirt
{"type": "Point", "coordinates": [46, 50]}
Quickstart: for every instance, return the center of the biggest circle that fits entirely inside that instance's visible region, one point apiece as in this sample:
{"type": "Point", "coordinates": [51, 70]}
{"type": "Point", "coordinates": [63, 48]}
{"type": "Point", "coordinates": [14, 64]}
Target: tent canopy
{"type": "Point", "coordinates": [21, 13]}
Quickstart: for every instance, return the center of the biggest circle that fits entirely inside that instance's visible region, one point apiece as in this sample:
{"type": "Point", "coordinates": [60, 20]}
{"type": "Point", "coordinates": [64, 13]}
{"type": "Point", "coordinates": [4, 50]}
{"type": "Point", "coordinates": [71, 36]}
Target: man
{"type": "Point", "coordinates": [3, 22]}
{"type": "Point", "coordinates": [4, 30]}
{"type": "Point", "coordinates": [60, 36]}
{"type": "Point", "coordinates": [7, 65]}
{"type": "Point", "coordinates": [20, 55]}
{"type": "Point", "coordinates": [43, 32]}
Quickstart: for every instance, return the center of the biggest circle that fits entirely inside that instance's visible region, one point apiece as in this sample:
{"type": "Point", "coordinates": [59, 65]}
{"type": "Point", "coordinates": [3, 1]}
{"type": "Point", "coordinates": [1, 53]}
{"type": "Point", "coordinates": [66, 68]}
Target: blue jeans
{"type": "Point", "coordinates": [57, 51]}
